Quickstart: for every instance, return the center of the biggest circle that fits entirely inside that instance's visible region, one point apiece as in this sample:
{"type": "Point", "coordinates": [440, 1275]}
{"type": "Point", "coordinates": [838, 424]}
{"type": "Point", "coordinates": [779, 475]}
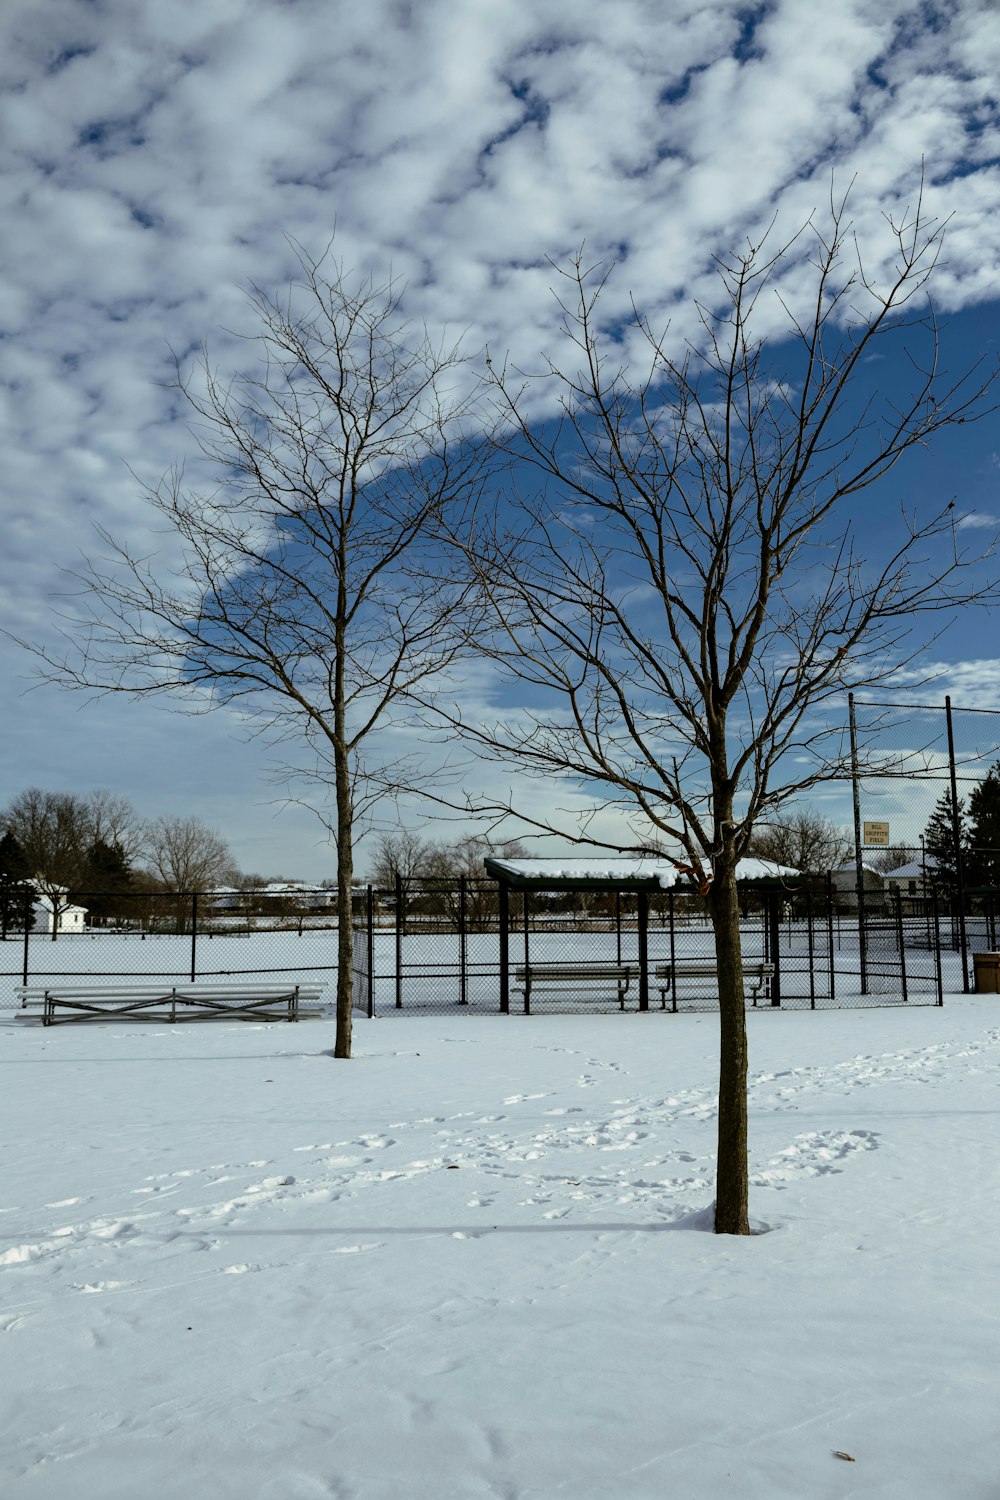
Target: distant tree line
{"type": "Point", "coordinates": [96, 850]}
{"type": "Point", "coordinates": [429, 874]}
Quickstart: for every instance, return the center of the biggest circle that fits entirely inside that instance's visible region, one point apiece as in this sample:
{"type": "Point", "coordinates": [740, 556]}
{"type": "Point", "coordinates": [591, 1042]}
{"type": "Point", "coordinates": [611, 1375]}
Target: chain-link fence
{"type": "Point", "coordinates": [470, 946]}
{"type": "Point", "coordinates": [925, 829]}
{"type": "Point", "coordinates": [439, 947]}
{"type": "Point", "coordinates": [130, 937]}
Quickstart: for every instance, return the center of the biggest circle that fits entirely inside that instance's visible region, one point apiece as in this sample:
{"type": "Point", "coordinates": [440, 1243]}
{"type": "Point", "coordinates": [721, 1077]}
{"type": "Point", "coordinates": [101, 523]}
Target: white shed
{"type": "Point", "coordinates": [845, 886]}
{"type": "Point", "coordinates": [912, 879]}
{"type": "Point", "coordinates": [68, 919]}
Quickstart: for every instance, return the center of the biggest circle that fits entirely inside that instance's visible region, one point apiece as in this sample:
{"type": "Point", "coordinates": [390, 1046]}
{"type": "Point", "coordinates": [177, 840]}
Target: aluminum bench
{"type": "Point", "coordinates": [232, 1000]}
{"type": "Point", "coordinates": [756, 974]}
{"type": "Point", "coordinates": [567, 978]}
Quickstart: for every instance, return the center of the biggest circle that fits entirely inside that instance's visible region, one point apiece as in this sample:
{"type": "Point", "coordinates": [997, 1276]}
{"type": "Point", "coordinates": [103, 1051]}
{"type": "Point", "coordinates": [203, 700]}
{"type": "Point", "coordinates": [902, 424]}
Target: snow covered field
{"type": "Point", "coordinates": [472, 1262]}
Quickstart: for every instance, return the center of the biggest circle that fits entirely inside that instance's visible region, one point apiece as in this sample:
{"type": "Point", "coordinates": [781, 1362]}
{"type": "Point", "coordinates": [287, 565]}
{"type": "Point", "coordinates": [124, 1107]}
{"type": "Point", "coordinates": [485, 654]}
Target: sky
{"type": "Point", "coordinates": [158, 159]}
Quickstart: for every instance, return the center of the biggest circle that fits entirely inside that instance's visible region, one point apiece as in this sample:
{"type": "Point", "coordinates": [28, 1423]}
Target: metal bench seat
{"type": "Point", "coordinates": [163, 1001]}
{"type": "Point", "coordinates": [568, 978]}
{"type": "Point", "coordinates": [756, 974]}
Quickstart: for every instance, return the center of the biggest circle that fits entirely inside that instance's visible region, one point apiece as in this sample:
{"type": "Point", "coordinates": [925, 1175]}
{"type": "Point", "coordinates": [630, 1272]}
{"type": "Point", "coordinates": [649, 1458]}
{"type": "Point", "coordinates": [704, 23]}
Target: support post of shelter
{"type": "Point", "coordinates": [773, 909]}
{"type": "Point", "coordinates": [504, 948]}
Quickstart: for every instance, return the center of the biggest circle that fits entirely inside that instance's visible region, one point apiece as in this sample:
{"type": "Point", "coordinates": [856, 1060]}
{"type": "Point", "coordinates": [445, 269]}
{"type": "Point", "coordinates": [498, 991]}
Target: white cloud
{"type": "Point", "coordinates": [158, 155]}
{"type": "Point", "coordinates": [978, 519]}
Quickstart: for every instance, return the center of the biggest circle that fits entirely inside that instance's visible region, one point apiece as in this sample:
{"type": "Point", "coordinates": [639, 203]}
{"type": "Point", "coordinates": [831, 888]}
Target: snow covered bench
{"type": "Point", "coordinates": [756, 974]}
{"type": "Point", "coordinates": [170, 1002]}
{"type": "Point", "coordinates": [569, 977]}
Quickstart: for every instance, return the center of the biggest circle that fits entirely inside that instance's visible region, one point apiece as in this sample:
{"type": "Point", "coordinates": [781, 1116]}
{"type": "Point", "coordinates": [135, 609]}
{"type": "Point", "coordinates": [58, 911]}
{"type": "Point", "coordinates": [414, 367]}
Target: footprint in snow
{"type": "Point", "coordinates": [815, 1154]}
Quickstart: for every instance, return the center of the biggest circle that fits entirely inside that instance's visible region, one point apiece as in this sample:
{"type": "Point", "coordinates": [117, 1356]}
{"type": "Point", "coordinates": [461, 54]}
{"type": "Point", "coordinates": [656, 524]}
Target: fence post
{"type": "Point", "coordinates": [898, 902]}
{"type": "Point", "coordinates": [400, 924]}
{"type": "Point", "coordinates": [463, 953]}
{"type": "Point", "coordinates": [829, 923]}
{"type": "Point", "coordinates": [673, 951]}
{"type": "Point", "coordinates": [811, 947]}
{"type": "Point", "coordinates": [370, 938]}
{"type": "Point", "coordinates": [527, 949]}
{"type": "Point", "coordinates": [643, 923]}
{"type": "Point", "coordinates": [194, 933]}
{"type": "Point", "coordinates": [858, 864]}
{"type": "Point", "coordinates": [957, 842]}
{"type": "Point", "coordinates": [937, 946]}
{"type": "Point", "coordinates": [27, 928]}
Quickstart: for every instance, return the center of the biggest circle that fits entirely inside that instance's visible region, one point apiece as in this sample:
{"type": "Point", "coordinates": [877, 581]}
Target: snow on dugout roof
{"type": "Point", "coordinates": [637, 871]}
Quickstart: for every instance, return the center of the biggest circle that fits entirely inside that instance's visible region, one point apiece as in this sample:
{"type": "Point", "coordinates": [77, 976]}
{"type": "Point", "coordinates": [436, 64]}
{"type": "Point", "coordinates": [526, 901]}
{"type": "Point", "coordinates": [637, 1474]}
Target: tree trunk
{"type": "Point", "coordinates": [345, 916]}
{"type": "Point", "coordinates": [732, 1196]}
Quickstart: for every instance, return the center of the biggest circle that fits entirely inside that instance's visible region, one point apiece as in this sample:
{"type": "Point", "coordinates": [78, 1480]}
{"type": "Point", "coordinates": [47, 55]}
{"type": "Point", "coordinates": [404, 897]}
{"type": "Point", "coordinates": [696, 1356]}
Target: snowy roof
{"type": "Point", "coordinates": [648, 870]}
{"type": "Point", "coordinates": [913, 870]}
{"type": "Point", "coordinates": [45, 902]}
{"type": "Point", "coordinates": [764, 869]}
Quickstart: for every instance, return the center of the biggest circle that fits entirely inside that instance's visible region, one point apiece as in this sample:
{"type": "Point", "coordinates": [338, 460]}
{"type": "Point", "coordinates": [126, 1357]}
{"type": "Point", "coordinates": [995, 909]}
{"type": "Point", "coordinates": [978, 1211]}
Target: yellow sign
{"type": "Point", "coordinates": [877, 833]}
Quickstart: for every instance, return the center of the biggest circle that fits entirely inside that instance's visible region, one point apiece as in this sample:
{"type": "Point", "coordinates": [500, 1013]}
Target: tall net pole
{"type": "Point", "coordinates": [956, 835]}
{"type": "Point", "coordinates": [859, 870]}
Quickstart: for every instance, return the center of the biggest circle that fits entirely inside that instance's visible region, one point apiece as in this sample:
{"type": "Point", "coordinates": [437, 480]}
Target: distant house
{"type": "Point", "coordinates": [845, 886]}
{"type": "Point", "coordinates": [912, 879]}
{"type": "Point", "coordinates": [277, 898]}
{"type": "Point", "coordinates": [67, 919]}
{"type": "Point", "coordinates": [306, 897]}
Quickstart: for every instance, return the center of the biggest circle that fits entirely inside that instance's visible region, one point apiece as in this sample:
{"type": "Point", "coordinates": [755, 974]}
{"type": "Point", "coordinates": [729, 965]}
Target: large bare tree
{"type": "Point", "coordinates": [54, 831]}
{"type": "Point", "coordinates": [187, 855]}
{"type": "Point", "coordinates": [310, 597]}
{"type": "Point", "coordinates": [115, 822]}
{"type": "Point", "coordinates": [685, 591]}
{"type": "Point", "coordinates": [801, 839]}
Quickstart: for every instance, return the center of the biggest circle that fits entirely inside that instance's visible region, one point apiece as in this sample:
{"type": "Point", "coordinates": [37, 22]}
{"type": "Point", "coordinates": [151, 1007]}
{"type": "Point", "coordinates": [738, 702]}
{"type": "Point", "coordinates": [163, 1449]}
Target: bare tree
{"type": "Point", "coordinates": [686, 593]}
{"type": "Point", "coordinates": [311, 599]}
{"type": "Point", "coordinates": [54, 833]}
{"type": "Point", "coordinates": [186, 855]}
{"type": "Point", "coordinates": [802, 839]}
{"type": "Point", "coordinates": [400, 855]}
{"type": "Point", "coordinates": [399, 852]}
{"type": "Point", "coordinates": [115, 822]}
{"type": "Point", "coordinates": [450, 864]}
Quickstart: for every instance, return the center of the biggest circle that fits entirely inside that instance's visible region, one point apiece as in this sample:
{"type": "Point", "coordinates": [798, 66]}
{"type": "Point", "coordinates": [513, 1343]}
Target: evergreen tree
{"type": "Point", "coordinates": [984, 834]}
{"type": "Point", "coordinates": [939, 844]}
{"type": "Point", "coordinates": [105, 876]}
{"type": "Point", "coordinates": [13, 889]}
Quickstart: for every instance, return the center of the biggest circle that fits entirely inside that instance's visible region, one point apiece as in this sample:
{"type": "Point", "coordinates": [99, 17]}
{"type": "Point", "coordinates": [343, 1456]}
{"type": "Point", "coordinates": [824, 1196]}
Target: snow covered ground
{"type": "Point", "coordinates": [472, 1262]}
